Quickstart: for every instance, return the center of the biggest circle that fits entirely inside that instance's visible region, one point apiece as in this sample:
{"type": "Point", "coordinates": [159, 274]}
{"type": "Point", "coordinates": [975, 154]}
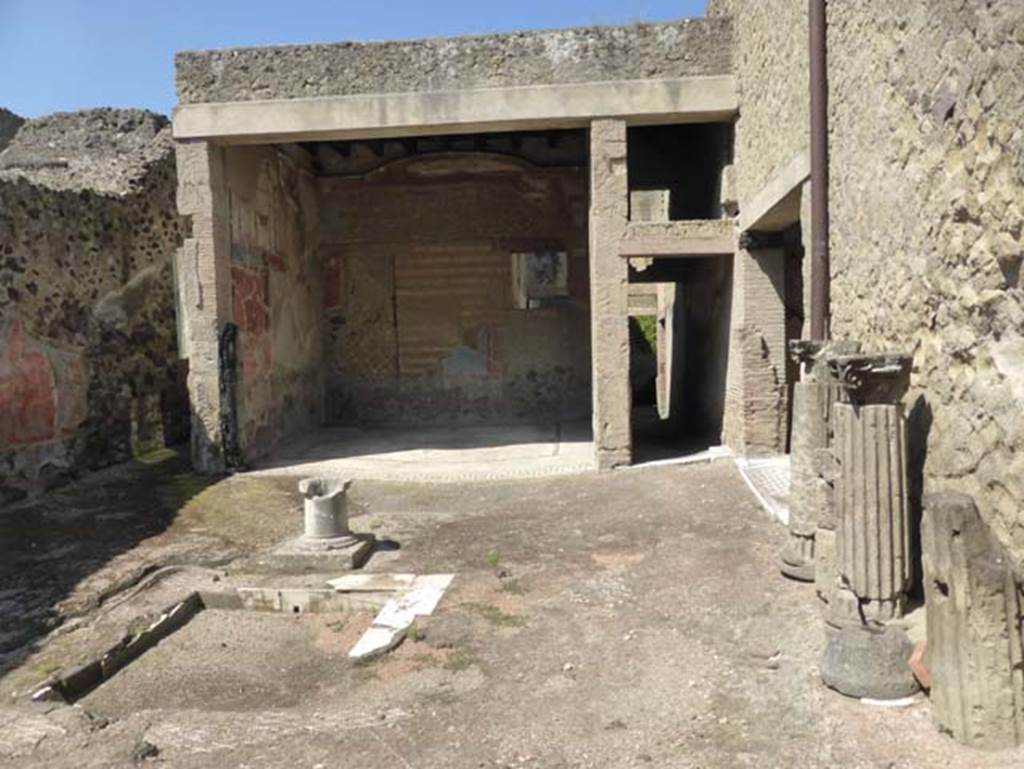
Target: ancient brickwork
{"type": "Point", "coordinates": [89, 372]}
{"type": "Point", "coordinates": [927, 190]}
{"type": "Point", "coordinates": [755, 397]}
{"type": "Point", "coordinates": [771, 67]}
{"type": "Point", "coordinates": [691, 47]}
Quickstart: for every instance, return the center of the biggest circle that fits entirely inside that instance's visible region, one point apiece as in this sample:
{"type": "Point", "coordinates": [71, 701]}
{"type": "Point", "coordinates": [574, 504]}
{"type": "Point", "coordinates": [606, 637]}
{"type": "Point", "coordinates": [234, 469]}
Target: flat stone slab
{"type": "Point", "coordinates": [372, 583]}
{"type": "Point", "coordinates": [295, 555]}
{"type": "Point", "coordinates": [392, 623]}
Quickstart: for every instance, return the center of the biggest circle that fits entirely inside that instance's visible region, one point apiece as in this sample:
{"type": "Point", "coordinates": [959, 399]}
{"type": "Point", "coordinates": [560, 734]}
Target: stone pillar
{"type": "Point", "coordinates": [809, 493]}
{"type": "Point", "coordinates": [973, 601]}
{"type": "Point", "coordinates": [609, 288]}
{"type": "Point", "coordinates": [755, 405]}
{"type": "Point", "coordinates": [203, 272]}
{"type": "Point", "coordinates": [872, 546]}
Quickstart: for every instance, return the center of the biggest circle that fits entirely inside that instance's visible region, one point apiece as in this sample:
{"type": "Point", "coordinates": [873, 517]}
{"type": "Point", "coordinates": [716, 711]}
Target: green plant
{"type": "Point", "coordinates": [495, 616]}
{"type": "Point", "coordinates": [460, 659]}
{"type": "Point", "coordinates": [513, 586]}
{"type": "Point", "coordinates": [648, 325]}
{"type": "Point", "coordinates": [492, 558]}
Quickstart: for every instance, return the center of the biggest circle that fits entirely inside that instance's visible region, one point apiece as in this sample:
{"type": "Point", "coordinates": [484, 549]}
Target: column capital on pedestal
{"type": "Point", "coordinates": [871, 378]}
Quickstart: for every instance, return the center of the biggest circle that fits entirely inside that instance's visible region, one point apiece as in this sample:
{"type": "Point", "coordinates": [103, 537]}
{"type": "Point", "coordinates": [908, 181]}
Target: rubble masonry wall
{"type": "Point", "coordinates": [927, 191]}
{"type": "Point", "coordinates": [89, 372]}
{"type": "Point", "coordinates": [771, 64]}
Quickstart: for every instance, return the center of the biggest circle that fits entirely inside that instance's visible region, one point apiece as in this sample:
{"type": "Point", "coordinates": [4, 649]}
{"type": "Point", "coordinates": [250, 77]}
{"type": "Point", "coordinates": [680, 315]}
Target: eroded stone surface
{"type": "Point", "coordinates": [89, 371]}
{"type": "Point", "coordinates": [869, 661]}
{"type": "Point", "coordinates": [688, 47]}
{"type": "Point", "coordinates": [974, 652]}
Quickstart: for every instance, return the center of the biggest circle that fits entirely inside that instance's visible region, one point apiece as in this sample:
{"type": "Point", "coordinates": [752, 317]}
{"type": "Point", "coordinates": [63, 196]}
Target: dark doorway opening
{"type": "Point", "coordinates": [679, 342]}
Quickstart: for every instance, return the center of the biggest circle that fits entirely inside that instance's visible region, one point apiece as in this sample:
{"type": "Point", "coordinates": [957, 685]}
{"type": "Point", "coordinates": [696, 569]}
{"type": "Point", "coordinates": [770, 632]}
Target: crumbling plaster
{"type": "Point", "coordinates": [89, 372]}
{"type": "Point", "coordinates": [927, 196]}
{"type": "Point", "coordinates": [420, 324]}
{"type": "Point", "coordinates": [275, 294]}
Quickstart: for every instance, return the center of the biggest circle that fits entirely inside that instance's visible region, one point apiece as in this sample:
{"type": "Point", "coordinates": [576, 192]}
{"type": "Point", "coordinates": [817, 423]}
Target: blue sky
{"type": "Point", "coordinates": [58, 55]}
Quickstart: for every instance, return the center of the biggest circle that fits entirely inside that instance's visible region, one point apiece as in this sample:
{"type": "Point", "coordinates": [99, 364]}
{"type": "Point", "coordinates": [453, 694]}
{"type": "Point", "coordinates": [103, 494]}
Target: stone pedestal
{"type": "Point", "coordinates": [872, 541]}
{"type": "Point", "coordinates": [327, 543]}
{"type": "Point", "coordinates": [973, 600]}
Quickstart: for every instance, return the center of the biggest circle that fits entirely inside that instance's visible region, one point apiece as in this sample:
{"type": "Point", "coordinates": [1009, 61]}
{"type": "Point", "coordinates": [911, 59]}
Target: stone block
{"type": "Point", "coordinates": [973, 602]}
{"type": "Point", "coordinates": [869, 661]}
{"type": "Point", "coordinates": [649, 205]}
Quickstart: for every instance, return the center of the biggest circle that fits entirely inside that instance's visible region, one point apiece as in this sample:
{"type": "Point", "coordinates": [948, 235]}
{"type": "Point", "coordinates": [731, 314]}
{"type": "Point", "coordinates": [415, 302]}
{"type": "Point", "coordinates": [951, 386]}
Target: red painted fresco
{"type": "Point", "coordinates": [28, 398]}
{"type": "Point", "coordinates": [249, 293]}
{"type": "Point", "coordinates": [277, 262]}
{"type": "Point", "coordinates": [72, 382]}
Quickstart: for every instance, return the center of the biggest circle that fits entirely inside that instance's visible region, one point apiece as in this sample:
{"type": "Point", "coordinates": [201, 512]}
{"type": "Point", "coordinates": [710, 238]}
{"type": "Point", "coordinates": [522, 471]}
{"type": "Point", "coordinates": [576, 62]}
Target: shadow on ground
{"type": "Point", "coordinates": [52, 546]}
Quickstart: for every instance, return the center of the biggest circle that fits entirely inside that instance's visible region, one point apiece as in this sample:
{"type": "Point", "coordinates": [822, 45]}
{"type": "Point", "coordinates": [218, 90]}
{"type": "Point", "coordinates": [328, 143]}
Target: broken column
{"type": "Point", "coordinates": [973, 600]}
{"type": "Point", "coordinates": [872, 546]}
{"type": "Point", "coordinates": [326, 543]}
{"type": "Point", "coordinates": [812, 466]}
{"type": "Point", "coordinates": [865, 657]}
{"type": "Point", "coordinates": [808, 492]}
{"type": "Point", "coordinates": [325, 507]}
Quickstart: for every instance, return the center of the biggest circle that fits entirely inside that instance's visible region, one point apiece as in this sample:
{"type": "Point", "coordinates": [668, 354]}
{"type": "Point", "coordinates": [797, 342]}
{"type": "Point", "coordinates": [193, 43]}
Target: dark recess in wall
{"type": "Point", "coordinates": [686, 160]}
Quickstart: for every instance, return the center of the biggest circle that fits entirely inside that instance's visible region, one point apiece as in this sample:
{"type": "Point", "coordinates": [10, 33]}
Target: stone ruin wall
{"type": "Point", "coordinates": [692, 47]}
{"type": "Point", "coordinates": [421, 326]}
{"type": "Point", "coordinates": [89, 374]}
{"type": "Point", "coordinates": [275, 295]}
{"type": "Point", "coordinates": [771, 130]}
{"type": "Point", "coordinates": [9, 125]}
{"type": "Point", "coordinates": [771, 67]}
{"type": "Point", "coordinates": [927, 189]}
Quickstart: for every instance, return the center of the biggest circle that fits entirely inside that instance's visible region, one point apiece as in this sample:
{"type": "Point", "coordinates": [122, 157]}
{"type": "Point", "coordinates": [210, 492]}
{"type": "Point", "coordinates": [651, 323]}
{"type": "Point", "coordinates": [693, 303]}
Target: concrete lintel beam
{"type": "Point", "coordinates": [777, 205]}
{"type": "Point", "coordinates": [710, 239]}
{"type": "Point", "coordinates": [572, 105]}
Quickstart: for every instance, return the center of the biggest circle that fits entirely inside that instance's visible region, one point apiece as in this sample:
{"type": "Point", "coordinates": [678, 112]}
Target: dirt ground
{"type": "Point", "coordinates": [631, 619]}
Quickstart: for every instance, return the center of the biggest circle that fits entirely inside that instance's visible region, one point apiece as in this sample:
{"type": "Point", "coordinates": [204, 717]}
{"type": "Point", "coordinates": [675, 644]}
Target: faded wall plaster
{"type": "Point", "coordinates": [420, 323]}
{"type": "Point", "coordinates": [276, 293]}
